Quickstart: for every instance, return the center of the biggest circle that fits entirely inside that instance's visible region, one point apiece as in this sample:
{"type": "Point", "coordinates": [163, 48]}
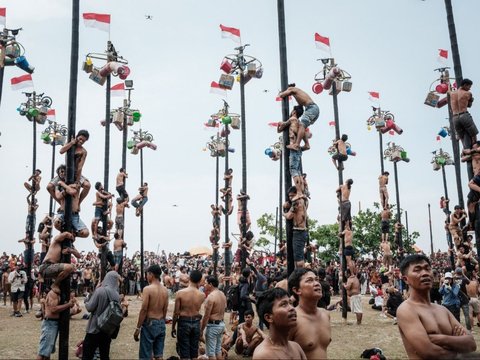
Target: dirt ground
{"type": "Point", "coordinates": [19, 336]}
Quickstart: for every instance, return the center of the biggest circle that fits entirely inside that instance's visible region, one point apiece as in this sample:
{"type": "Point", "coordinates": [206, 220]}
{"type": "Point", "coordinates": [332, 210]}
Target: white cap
{"type": "Point", "coordinates": [448, 275]}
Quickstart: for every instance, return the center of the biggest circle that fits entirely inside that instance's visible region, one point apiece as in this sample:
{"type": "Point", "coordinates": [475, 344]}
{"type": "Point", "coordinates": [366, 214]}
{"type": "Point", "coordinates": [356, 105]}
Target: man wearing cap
{"type": "Point", "coordinates": [18, 279]}
{"type": "Point", "coordinates": [449, 290]}
{"type": "Point", "coordinates": [151, 319]}
{"type": "Point", "coordinates": [462, 281]}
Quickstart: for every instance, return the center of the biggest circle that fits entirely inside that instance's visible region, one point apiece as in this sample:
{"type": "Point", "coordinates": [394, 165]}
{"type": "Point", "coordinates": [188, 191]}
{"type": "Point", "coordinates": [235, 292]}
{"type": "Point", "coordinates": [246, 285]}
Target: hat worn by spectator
{"type": "Point", "coordinates": [458, 270]}
{"type": "Point", "coordinates": [448, 275]}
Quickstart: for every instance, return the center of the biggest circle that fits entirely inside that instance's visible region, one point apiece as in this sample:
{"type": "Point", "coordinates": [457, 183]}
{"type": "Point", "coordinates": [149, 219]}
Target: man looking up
{"type": "Point", "coordinates": [429, 331]}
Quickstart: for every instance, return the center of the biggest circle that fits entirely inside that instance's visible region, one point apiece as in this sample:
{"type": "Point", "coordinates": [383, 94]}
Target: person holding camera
{"type": "Point", "coordinates": [17, 279]}
{"type": "Point", "coordinates": [449, 290]}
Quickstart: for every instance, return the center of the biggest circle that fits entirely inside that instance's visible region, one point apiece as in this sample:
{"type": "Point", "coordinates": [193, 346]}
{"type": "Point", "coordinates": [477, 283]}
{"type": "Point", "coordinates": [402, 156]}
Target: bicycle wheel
{"type": "Point", "coordinates": [46, 101]}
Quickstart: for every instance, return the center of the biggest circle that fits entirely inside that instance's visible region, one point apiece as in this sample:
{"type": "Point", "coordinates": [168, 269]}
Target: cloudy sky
{"type": "Point", "coordinates": [388, 46]}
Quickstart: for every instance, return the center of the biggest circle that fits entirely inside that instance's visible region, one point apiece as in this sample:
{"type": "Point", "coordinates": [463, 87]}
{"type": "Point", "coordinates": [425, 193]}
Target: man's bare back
{"type": "Point", "coordinates": [301, 96]}
{"type": "Point", "coordinates": [460, 100]}
{"type": "Point", "coordinates": [190, 301]}
{"type": "Point", "coordinates": [155, 299]}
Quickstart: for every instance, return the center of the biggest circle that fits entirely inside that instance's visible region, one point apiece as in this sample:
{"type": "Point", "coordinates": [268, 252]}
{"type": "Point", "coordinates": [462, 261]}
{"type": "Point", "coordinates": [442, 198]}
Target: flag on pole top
{"type": "Point", "coordinates": [118, 90]}
{"type": "Point", "coordinates": [232, 33]}
{"type": "Point", "coordinates": [374, 96]}
{"type": "Point", "coordinates": [51, 115]}
{"type": "Point", "coordinates": [215, 88]}
{"type": "Point", "coordinates": [98, 21]}
{"type": "Point", "coordinates": [22, 82]}
{"type": "Point", "coordinates": [323, 43]}
{"type": "Point", "coordinates": [442, 56]}
{"type": "Point", "coordinates": [278, 98]}
{"type": "Point", "coordinates": [273, 124]}
{"type": "Point", "coordinates": [3, 16]}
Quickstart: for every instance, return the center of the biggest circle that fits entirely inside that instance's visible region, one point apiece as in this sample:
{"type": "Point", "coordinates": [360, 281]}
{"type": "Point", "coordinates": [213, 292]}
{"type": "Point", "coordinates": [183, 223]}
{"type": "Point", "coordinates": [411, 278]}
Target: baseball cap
{"type": "Point", "coordinates": [19, 263]}
{"type": "Point", "coordinates": [448, 275]}
{"type": "Point", "coordinates": [458, 270]}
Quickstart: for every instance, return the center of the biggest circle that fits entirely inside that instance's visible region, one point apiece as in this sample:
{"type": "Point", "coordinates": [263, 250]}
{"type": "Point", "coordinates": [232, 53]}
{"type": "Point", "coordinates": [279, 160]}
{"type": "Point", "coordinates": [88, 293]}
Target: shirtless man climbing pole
{"type": "Point", "coordinates": [460, 101]}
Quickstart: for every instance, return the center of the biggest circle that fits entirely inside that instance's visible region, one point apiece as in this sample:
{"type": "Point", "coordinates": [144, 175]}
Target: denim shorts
{"type": "Point", "coordinates": [310, 115]}
{"type": "Point", "coordinates": [48, 337]}
{"type": "Point", "coordinates": [152, 339]}
{"type": "Point", "coordinates": [77, 223]}
{"type": "Point", "coordinates": [299, 240]}
{"type": "Point", "coordinates": [98, 213]}
{"type": "Point", "coordinates": [295, 160]}
{"type": "Point", "coordinates": [213, 339]}
{"type": "Point", "coordinates": [187, 338]}
{"type": "Point", "coordinates": [117, 257]}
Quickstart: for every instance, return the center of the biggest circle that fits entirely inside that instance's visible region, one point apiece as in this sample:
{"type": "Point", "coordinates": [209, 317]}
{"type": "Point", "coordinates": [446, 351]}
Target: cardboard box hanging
{"type": "Point", "coordinates": [226, 81]}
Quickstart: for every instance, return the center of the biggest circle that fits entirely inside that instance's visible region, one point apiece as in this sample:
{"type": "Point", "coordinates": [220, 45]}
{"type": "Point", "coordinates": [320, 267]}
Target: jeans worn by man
{"type": "Point", "coordinates": [188, 337]}
{"type": "Point", "coordinates": [152, 337]}
{"type": "Point", "coordinates": [213, 338]}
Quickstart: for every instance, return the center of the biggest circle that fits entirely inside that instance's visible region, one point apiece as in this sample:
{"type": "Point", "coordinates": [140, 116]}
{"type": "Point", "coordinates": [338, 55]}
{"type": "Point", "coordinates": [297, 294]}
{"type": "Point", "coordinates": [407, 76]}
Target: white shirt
{"type": "Point", "coordinates": [18, 280]}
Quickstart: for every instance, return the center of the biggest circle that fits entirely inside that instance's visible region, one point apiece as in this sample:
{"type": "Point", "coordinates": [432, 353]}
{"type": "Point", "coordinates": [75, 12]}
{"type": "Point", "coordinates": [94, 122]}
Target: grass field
{"type": "Point", "coordinates": [20, 336]}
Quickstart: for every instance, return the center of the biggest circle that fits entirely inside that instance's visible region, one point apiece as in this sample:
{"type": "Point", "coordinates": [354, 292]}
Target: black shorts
{"type": "Point", "coordinates": [385, 226]}
{"type": "Point", "coordinates": [299, 240]}
{"type": "Point", "coordinates": [16, 296]}
{"type": "Point", "coordinates": [473, 197]}
{"type": "Point", "coordinates": [349, 251]}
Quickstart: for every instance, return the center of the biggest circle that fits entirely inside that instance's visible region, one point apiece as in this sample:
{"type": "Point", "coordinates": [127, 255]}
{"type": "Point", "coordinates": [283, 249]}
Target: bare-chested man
{"type": "Point", "coordinates": [385, 216]}
{"type": "Point", "coordinates": [345, 205]}
{"type": "Point", "coordinates": [51, 318]}
{"type": "Point", "coordinates": [51, 266]}
{"type": "Point", "coordinates": [454, 227]}
{"type": "Point", "coordinates": [101, 198]}
{"type": "Point", "coordinates": [465, 127]}
{"type": "Point", "coordinates": [151, 319]}
{"type": "Point", "coordinates": [473, 198]}
{"type": "Point", "coordinates": [78, 225]}
{"type": "Point", "coordinates": [188, 302]}
{"type": "Point", "coordinates": [349, 252]}
{"type": "Point", "coordinates": [119, 214]}
{"type": "Point", "coordinates": [387, 258]}
{"type": "Point", "coordinates": [214, 313]}
{"type": "Point", "coordinates": [120, 184]}
{"type": "Point", "coordinates": [295, 210]}
{"type": "Point", "coordinates": [429, 331]}
{"type": "Point", "coordinates": [280, 317]}
{"type": "Point", "coordinates": [34, 186]}
{"type": "Point", "coordinates": [312, 332]}
{"type": "Point", "coordinates": [473, 155]}
{"type": "Point", "coordinates": [341, 154]}
{"type": "Point", "coordinates": [473, 290]}
{"type": "Point", "coordinates": [249, 336]}
{"type": "Point", "coordinates": [141, 199]}
{"type": "Point", "coordinates": [118, 245]}
{"type": "Point", "coordinates": [382, 187]}
{"type": "Point", "coordinates": [309, 116]}
{"type": "Point", "coordinates": [242, 199]}
{"type": "Point", "coordinates": [80, 151]}
{"type": "Point", "coordinates": [353, 291]}
{"type": "Point", "coordinates": [295, 157]}
{"type": "Point", "coordinates": [87, 277]}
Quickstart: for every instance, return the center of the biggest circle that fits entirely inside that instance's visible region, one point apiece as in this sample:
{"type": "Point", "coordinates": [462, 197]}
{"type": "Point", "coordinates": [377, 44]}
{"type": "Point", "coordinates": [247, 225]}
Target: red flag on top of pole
{"type": "Point", "coordinates": [322, 43]}
{"type": "Point", "coordinates": [230, 32]}
{"type": "Point", "coordinates": [98, 21]}
{"type": "Point", "coordinates": [118, 90]}
{"type": "Point", "coordinates": [22, 82]}
{"type": "Point", "coordinates": [51, 115]}
{"type": "Point", "coordinates": [374, 96]}
{"type": "Point", "coordinates": [3, 16]}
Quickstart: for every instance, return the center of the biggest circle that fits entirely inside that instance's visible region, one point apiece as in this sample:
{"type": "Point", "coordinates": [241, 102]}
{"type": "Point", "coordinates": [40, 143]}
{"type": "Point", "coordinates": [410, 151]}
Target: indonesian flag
{"type": "Point", "coordinates": [118, 90]}
{"type": "Point", "coordinates": [374, 96]}
{"type": "Point", "coordinates": [99, 21]}
{"type": "Point", "coordinates": [3, 16]}
{"type": "Point", "coordinates": [51, 115]}
{"type": "Point", "coordinates": [215, 88]}
{"type": "Point", "coordinates": [442, 56]}
{"type": "Point", "coordinates": [232, 33]}
{"type": "Point", "coordinates": [322, 43]}
{"type": "Point", "coordinates": [273, 124]}
{"type": "Point", "coordinates": [331, 124]}
{"type": "Point", "coordinates": [22, 82]}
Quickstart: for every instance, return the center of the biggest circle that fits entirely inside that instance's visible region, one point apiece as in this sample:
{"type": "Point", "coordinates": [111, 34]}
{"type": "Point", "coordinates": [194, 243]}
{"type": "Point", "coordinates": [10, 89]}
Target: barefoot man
{"type": "Point", "coordinates": [353, 292]}
{"type": "Point", "coordinates": [309, 116]}
{"type": "Point", "coordinates": [214, 313]}
{"type": "Point", "coordinates": [382, 187]}
{"type": "Point", "coordinates": [312, 332]}
{"type": "Point", "coordinates": [275, 308]}
{"type": "Point", "coordinates": [429, 331]}
{"type": "Point", "coordinates": [345, 205]}
{"type": "Point", "coordinates": [460, 101]}
{"type": "Point", "coordinates": [294, 209]}
{"type": "Point", "coordinates": [188, 302]}
{"type": "Point", "coordinates": [151, 319]}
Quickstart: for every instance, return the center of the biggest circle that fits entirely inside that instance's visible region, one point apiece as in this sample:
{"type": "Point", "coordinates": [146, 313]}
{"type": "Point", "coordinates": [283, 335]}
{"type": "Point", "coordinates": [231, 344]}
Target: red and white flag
{"type": "Point", "coordinates": [98, 21]}
{"type": "Point", "coordinates": [232, 33]}
{"type": "Point", "coordinates": [278, 98]}
{"type": "Point", "coordinates": [22, 82]}
{"type": "Point", "coordinates": [442, 56]}
{"type": "Point", "coordinates": [118, 90]}
{"type": "Point", "coordinates": [51, 115]}
{"type": "Point", "coordinates": [3, 16]}
{"type": "Point", "coordinates": [215, 88]}
{"type": "Point", "coordinates": [273, 124]}
{"type": "Point", "coordinates": [374, 96]}
{"type": "Point", "coordinates": [322, 43]}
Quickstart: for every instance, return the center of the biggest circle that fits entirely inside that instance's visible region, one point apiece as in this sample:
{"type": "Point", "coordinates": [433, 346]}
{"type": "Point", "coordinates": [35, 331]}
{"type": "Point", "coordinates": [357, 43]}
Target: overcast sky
{"type": "Point", "coordinates": [388, 46]}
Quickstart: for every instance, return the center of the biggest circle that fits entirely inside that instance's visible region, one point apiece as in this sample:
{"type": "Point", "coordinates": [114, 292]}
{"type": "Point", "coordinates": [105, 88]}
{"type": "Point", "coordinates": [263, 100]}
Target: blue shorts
{"type": "Point", "coordinates": [310, 115]}
{"type": "Point", "coordinates": [48, 337]}
{"type": "Point", "coordinates": [117, 257]}
{"type": "Point", "coordinates": [77, 223]}
{"type": "Point", "coordinates": [98, 213]}
{"type": "Point", "coordinates": [295, 160]}
{"type": "Point", "coordinates": [213, 339]}
{"type": "Point", "coordinates": [152, 339]}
